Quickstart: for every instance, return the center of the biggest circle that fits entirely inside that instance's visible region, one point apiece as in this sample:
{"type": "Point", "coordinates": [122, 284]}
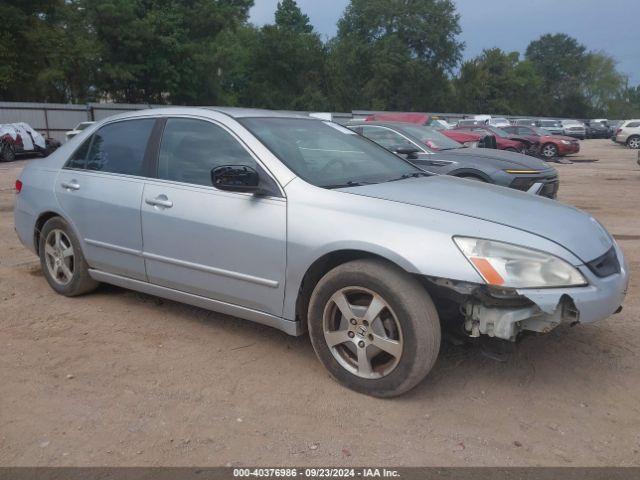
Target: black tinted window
{"type": "Point", "coordinates": [79, 157]}
{"type": "Point", "coordinates": [190, 149]}
{"type": "Point", "coordinates": [633, 125]}
{"type": "Point", "coordinates": [119, 147]}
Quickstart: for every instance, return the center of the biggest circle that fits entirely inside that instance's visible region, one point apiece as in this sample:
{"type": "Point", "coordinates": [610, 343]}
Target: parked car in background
{"type": "Point", "coordinates": [498, 122]}
{"type": "Point", "coordinates": [20, 139]}
{"type": "Point", "coordinates": [530, 122]}
{"type": "Point", "coordinates": [598, 128]}
{"type": "Point", "coordinates": [303, 225]}
{"type": "Point", "coordinates": [429, 149]}
{"type": "Point", "coordinates": [629, 134]}
{"type": "Point", "coordinates": [503, 139]}
{"type": "Point", "coordinates": [466, 138]}
{"type": "Point", "coordinates": [574, 128]}
{"type": "Point", "coordinates": [77, 129]}
{"type": "Point", "coordinates": [554, 127]}
{"type": "Point", "coordinates": [550, 145]}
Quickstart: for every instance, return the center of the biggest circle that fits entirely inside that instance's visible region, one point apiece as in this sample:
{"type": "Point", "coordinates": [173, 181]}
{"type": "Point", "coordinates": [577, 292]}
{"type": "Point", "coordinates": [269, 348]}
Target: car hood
{"type": "Point", "coordinates": [567, 226]}
{"type": "Point", "coordinates": [556, 138]}
{"type": "Point", "coordinates": [508, 159]}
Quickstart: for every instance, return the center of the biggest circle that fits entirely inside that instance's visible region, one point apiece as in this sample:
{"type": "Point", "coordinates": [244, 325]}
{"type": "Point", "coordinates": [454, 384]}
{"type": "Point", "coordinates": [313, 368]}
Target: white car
{"type": "Point", "coordinates": [77, 129]}
{"type": "Point", "coordinates": [629, 134]}
{"type": "Point", "coordinates": [498, 122]}
{"type": "Point", "coordinates": [574, 128]}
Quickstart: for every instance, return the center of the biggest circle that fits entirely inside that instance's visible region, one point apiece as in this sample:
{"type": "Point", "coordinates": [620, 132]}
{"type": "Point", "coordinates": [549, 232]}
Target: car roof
{"type": "Point", "coordinates": [230, 111]}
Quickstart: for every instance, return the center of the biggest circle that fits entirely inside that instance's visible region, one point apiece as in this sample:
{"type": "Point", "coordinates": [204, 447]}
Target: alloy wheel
{"type": "Point", "coordinates": [362, 332]}
{"type": "Point", "coordinates": [634, 143]}
{"type": "Point", "coordinates": [59, 256]}
{"type": "Point", "coordinates": [549, 151]}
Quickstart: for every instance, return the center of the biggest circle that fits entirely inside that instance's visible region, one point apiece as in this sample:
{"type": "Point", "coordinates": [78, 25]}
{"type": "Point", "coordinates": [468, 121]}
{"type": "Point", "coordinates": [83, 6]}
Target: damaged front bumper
{"type": "Point", "coordinates": [504, 314]}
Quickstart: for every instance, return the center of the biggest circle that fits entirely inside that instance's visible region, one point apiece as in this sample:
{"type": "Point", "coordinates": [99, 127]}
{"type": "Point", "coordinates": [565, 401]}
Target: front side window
{"type": "Point", "coordinates": [431, 137]}
{"type": "Point", "coordinates": [190, 149]}
{"type": "Point", "coordinates": [120, 147]}
{"type": "Point", "coordinates": [633, 125]}
{"type": "Point", "coordinates": [326, 154]}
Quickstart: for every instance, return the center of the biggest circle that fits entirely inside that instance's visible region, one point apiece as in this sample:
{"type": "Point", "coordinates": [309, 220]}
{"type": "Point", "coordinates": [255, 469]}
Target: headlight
{"type": "Point", "coordinates": [507, 265]}
{"type": "Point", "coordinates": [566, 142]}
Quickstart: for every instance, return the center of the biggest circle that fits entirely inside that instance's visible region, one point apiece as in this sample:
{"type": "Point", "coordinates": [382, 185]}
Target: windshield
{"type": "Point", "coordinates": [328, 155]}
{"type": "Point", "coordinates": [431, 137]}
{"type": "Point", "coordinates": [499, 132]}
{"type": "Point", "coordinates": [541, 131]}
{"type": "Point", "coordinates": [549, 123]}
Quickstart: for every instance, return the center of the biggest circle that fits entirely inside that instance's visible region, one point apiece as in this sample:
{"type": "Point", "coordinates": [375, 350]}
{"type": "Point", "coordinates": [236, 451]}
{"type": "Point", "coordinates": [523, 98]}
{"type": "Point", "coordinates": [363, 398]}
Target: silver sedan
{"type": "Point", "coordinates": [302, 224]}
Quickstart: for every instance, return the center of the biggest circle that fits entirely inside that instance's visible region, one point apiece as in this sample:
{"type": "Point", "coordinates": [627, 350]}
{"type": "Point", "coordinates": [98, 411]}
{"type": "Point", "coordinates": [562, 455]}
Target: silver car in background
{"type": "Point", "coordinates": [302, 224]}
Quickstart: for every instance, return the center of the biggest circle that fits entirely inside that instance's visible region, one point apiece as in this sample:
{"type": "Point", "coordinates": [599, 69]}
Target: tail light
{"type": "Point", "coordinates": [618, 131]}
{"type": "Point", "coordinates": [18, 186]}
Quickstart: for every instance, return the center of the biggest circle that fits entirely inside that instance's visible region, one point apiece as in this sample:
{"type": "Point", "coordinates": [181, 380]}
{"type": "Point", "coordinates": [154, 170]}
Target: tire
{"type": "Point", "coordinates": [633, 142]}
{"type": "Point", "coordinates": [549, 150]}
{"type": "Point", "coordinates": [7, 152]}
{"type": "Point", "coordinates": [406, 323]}
{"type": "Point", "coordinates": [60, 249]}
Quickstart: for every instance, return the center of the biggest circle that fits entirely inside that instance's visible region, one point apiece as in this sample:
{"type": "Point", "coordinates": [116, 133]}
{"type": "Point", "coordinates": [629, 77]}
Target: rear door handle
{"type": "Point", "coordinates": [72, 185]}
{"type": "Point", "coordinates": [159, 201]}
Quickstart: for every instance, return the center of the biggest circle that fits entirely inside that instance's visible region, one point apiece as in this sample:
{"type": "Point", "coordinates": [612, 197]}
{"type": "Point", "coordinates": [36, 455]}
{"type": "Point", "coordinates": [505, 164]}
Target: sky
{"type": "Point", "coordinates": [610, 26]}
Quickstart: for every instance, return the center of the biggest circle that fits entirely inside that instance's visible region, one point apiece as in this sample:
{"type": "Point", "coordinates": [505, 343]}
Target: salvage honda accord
{"type": "Point", "coordinates": [303, 224]}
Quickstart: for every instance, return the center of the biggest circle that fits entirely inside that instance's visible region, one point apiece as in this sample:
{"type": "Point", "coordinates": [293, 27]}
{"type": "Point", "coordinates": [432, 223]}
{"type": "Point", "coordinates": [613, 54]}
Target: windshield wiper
{"type": "Point", "coordinates": [350, 183]}
{"type": "Point", "coordinates": [410, 175]}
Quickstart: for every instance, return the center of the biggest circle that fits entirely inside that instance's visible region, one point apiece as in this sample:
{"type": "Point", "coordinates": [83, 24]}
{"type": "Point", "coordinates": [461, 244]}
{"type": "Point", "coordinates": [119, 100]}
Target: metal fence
{"type": "Point", "coordinates": [54, 119]}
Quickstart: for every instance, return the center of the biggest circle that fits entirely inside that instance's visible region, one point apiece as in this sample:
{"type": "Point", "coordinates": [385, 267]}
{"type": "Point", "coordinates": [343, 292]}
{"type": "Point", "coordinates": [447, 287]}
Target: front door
{"type": "Point", "coordinates": [226, 246]}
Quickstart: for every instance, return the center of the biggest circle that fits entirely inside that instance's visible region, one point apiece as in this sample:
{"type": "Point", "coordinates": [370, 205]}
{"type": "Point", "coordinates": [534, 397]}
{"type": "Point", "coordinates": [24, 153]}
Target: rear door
{"type": "Point", "coordinates": [100, 191]}
{"type": "Point", "coordinates": [227, 246]}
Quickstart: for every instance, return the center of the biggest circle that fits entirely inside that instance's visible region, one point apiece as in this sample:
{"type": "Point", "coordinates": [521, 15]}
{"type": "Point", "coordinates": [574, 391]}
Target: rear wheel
{"type": "Point", "coordinates": [374, 327]}
{"type": "Point", "coordinates": [549, 150]}
{"type": "Point", "coordinates": [7, 153]}
{"type": "Point", "coordinates": [62, 261]}
{"type": "Point", "coordinates": [633, 142]}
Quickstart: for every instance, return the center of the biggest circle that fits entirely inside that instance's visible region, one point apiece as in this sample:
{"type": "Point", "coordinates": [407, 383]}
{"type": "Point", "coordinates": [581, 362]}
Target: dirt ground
{"type": "Point", "coordinates": [121, 378]}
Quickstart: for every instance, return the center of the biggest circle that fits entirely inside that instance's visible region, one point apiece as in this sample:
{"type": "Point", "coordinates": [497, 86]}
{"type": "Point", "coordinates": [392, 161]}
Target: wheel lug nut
{"type": "Point", "coordinates": [361, 344]}
{"type": "Point", "coordinates": [351, 334]}
{"type": "Point", "coordinates": [370, 336]}
{"type": "Point", "coordinates": [353, 321]}
{"type": "Point", "coordinates": [365, 323]}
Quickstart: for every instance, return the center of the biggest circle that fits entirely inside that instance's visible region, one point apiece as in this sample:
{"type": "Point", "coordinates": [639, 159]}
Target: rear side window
{"type": "Point", "coordinates": [633, 125]}
{"type": "Point", "coordinates": [190, 149]}
{"type": "Point", "coordinates": [120, 147]}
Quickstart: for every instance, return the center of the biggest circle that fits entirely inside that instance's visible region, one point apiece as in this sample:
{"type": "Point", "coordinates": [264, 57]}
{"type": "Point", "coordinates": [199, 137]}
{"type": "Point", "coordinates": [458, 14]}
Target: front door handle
{"type": "Point", "coordinates": [72, 185]}
{"type": "Point", "coordinates": [159, 201]}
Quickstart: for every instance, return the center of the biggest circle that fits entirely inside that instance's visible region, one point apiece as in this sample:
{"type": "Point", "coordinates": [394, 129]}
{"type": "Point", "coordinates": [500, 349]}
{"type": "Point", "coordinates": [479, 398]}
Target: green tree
{"type": "Point", "coordinates": [604, 85]}
{"type": "Point", "coordinates": [394, 54]}
{"type": "Point", "coordinates": [286, 67]}
{"type": "Point", "coordinates": [497, 82]}
{"type": "Point", "coordinates": [561, 63]}
{"type": "Point", "coordinates": [161, 51]}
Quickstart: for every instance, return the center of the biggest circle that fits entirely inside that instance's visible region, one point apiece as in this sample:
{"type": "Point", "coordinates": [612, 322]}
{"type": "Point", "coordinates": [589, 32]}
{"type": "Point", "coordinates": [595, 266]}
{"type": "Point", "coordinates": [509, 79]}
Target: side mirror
{"type": "Point", "coordinates": [236, 178]}
{"type": "Point", "coordinates": [407, 150]}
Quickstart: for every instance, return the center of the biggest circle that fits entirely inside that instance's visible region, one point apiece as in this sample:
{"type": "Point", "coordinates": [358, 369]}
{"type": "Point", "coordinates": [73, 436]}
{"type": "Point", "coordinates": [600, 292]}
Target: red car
{"type": "Point", "coordinates": [550, 145]}
{"type": "Point", "coordinates": [503, 140]}
{"type": "Point", "coordinates": [465, 138]}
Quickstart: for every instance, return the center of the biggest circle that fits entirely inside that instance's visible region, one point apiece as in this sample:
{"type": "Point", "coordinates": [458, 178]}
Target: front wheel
{"type": "Point", "coordinates": [549, 150]}
{"type": "Point", "coordinates": [374, 327]}
{"type": "Point", "coordinates": [633, 142]}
